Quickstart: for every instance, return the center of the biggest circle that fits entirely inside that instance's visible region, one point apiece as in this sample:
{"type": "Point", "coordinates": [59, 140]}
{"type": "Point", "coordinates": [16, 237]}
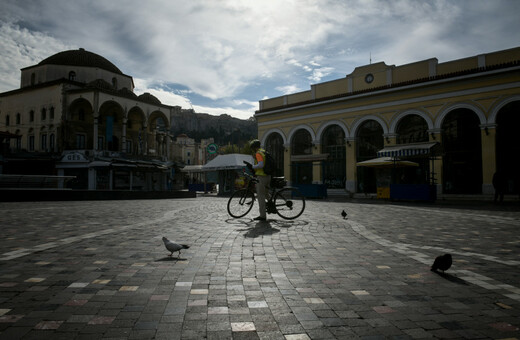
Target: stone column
{"type": "Point", "coordinates": [350, 167]}
{"type": "Point", "coordinates": [489, 166]}
{"type": "Point", "coordinates": [123, 136]}
{"type": "Point", "coordinates": [317, 167]}
{"type": "Point", "coordinates": [435, 135]}
{"type": "Point", "coordinates": [144, 137]}
{"type": "Point", "coordinates": [287, 162]}
{"type": "Point", "coordinates": [95, 113]}
{"type": "Point", "coordinates": [390, 139]}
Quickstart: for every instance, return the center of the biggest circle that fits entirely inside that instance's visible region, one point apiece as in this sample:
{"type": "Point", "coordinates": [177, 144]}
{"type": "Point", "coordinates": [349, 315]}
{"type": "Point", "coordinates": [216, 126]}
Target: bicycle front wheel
{"type": "Point", "coordinates": [290, 203]}
{"type": "Point", "coordinates": [240, 203]}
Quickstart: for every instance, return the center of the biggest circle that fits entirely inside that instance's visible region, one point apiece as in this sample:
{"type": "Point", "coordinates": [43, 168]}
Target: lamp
{"type": "Point", "coordinates": [486, 131]}
{"type": "Point", "coordinates": [433, 135]}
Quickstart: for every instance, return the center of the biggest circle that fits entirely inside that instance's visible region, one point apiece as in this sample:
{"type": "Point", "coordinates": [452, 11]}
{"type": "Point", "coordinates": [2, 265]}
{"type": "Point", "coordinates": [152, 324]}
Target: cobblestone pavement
{"type": "Point", "coordinates": [98, 269]}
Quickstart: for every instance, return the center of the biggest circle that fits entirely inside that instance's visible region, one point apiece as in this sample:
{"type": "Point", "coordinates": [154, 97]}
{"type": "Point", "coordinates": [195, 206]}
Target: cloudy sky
{"type": "Point", "coordinates": [223, 56]}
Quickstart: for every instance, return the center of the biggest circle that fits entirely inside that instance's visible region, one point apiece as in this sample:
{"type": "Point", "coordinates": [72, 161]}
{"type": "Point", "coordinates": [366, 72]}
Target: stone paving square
{"type": "Point", "coordinates": [99, 269]}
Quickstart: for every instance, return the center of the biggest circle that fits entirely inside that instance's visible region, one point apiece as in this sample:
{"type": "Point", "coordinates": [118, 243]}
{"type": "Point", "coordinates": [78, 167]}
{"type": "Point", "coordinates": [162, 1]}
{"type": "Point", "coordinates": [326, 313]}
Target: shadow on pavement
{"type": "Point", "coordinates": [451, 278]}
{"type": "Point", "coordinates": [168, 259]}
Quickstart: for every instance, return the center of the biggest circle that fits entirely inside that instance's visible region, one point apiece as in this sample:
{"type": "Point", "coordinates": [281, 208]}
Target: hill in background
{"type": "Point", "coordinates": [224, 128]}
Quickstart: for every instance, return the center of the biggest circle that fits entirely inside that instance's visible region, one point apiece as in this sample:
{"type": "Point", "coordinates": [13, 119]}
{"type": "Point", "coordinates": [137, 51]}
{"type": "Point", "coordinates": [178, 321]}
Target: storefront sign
{"type": "Point", "coordinates": [74, 157]}
{"type": "Point", "coordinates": [212, 148]}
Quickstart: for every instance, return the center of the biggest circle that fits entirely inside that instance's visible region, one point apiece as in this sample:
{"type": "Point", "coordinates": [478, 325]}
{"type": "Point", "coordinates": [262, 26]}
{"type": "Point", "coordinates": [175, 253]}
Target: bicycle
{"type": "Point", "coordinates": [286, 201]}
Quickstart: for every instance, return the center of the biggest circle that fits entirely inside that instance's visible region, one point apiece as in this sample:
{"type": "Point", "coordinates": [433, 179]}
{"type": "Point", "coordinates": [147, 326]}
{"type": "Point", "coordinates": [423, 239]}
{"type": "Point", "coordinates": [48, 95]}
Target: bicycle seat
{"type": "Point", "coordinates": [278, 182]}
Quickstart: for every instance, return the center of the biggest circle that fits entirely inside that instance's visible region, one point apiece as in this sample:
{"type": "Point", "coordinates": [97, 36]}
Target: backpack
{"type": "Point", "coordinates": [269, 164]}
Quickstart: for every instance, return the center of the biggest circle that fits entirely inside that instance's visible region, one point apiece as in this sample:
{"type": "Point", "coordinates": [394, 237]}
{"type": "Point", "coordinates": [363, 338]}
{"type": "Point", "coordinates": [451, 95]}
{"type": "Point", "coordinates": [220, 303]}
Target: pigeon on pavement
{"type": "Point", "coordinates": [442, 262]}
{"type": "Point", "coordinates": [344, 214]}
{"type": "Point", "coordinates": [173, 247]}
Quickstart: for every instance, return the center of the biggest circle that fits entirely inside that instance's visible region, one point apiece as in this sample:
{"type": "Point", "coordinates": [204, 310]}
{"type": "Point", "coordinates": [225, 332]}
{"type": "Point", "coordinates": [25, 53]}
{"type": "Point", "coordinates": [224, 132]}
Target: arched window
{"type": "Point", "coordinates": [51, 112]}
{"type": "Point", "coordinates": [52, 142]}
{"type": "Point", "coordinates": [18, 141]}
{"type": "Point", "coordinates": [301, 145]}
{"type": "Point", "coordinates": [412, 129]}
{"type": "Point", "coordinates": [462, 161]}
{"type": "Point", "coordinates": [368, 142]}
{"type": "Point", "coordinates": [44, 114]}
{"type": "Point", "coordinates": [334, 169]}
{"type": "Point", "coordinates": [43, 145]}
{"type": "Point", "coordinates": [31, 142]}
{"type": "Point", "coordinates": [114, 83]}
{"type": "Point", "coordinates": [33, 78]}
{"type": "Point", "coordinates": [7, 120]}
{"type": "Point", "coordinates": [31, 116]}
{"type": "Point", "coordinates": [18, 119]}
{"type": "Point", "coordinates": [72, 75]}
{"type": "Point", "coordinates": [274, 145]}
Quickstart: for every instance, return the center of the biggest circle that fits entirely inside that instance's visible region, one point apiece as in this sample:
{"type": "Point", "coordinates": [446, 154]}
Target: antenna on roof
{"type": "Point", "coordinates": [370, 57]}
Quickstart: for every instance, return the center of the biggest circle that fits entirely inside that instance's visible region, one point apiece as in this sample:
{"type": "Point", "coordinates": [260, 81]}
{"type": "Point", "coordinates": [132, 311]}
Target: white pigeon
{"type": "Point", "coordinates": [171, 246]}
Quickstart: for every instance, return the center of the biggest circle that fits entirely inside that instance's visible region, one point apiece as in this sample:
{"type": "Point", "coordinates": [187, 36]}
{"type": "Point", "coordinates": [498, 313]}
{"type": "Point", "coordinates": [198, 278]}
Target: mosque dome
{"type": "Point", "coordinates": [149, 98]}
{"type": "Point", "coordinates": [81, 58]}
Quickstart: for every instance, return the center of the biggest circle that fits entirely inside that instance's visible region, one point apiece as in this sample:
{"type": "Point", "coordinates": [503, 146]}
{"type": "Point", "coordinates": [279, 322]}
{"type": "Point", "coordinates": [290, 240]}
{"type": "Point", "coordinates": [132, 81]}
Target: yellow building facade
{"type": "Point", "coordinates": [464, 113]}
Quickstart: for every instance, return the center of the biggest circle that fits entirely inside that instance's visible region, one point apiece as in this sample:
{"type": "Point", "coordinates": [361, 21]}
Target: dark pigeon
{"type": "Point", "coordinates": [442, 262]}
{"type": "Point", "coordinates": [344, 214]}
{"type": "Point", "coordinates": [173, 247]}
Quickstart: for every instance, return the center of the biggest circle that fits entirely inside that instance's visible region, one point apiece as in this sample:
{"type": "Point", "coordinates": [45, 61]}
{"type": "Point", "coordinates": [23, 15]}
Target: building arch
{"type": "Point", "coordinates": [157, 120]}
{"type": "Point", "coordinates": [135, 131]}
{"type": "Point", "coordinates": [158, 128]}
{"type": "Point", "coordinates": [440, 117]}
{"type": "Point", "coordinates": [300, 127]}
{"type": "Point", "coordinates": [302, 139]}
{"type": "Point", "coordinates": [271, 131]}
{"type": "Point", "coordinates": [326, 124]}
{"type": "Point", "coordinates": [369, 140]}
{"type": "Point", "coordinates": [397, 119]}
{"type": "Point", "coordinates": [75, 106]}
{"type": "Point", "coordinates": [110, 125]}
{"type": "Point", "coordinates": [411, 128]}
{"type": "Point", "coordinates": [462, 151]}
{"type": "Point", "coordinates": [274, 143]}
{"type": "Point", "coordinates": [355, 126]}
{"type": "Point", "coordinates": [507, 147]}
{"type": "Point", "coordinates": [333, 143]}
{"type": "Point", "coordinates": [78, 129]}
{"type": "Point", "coordinates": [493, 116]}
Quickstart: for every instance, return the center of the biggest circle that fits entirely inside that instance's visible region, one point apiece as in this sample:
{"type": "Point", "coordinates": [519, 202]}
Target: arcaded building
{"type": "Point", "coordinates": [75, 114]}
{"type": "Point", "coordinates": [456, 121]}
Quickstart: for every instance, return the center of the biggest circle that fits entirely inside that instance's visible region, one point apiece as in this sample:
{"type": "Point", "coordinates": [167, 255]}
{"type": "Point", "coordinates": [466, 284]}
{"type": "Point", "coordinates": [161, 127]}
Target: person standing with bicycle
{"type": "Point", "coordinates": [263, 178]}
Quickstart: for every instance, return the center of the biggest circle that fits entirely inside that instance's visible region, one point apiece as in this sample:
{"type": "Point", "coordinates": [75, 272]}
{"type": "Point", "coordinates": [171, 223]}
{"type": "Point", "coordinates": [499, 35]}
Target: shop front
{"type": "Point", "coordinates": [405, 171]}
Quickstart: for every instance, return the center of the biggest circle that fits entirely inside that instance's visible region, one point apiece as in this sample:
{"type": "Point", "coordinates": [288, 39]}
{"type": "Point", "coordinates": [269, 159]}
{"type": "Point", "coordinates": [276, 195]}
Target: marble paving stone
{"type": "Point", "coordinates": [242, 326]}
{"type": "Point", "coordinates": [48, 325]}
{"type": "Point", "coordinates": [106, 275]}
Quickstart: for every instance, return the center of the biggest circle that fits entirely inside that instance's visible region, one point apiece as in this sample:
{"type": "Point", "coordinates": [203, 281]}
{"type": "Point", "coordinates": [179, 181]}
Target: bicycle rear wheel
{"type": "Point", "coordinates": [240, 203]}
{"type": "Point", "coordinates": [290, 203]}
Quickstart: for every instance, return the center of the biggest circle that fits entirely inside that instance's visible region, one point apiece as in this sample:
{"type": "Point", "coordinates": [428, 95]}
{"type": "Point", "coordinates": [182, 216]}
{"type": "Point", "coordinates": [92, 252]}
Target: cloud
{"type": "Point", "coordinates": [227, 49]}
{"type": "Point", "coordinates": [22, 47]}
{"type": "Point", "coordinates": [288, 89]}
{"type": "Point", "coordinates": [167, 97]}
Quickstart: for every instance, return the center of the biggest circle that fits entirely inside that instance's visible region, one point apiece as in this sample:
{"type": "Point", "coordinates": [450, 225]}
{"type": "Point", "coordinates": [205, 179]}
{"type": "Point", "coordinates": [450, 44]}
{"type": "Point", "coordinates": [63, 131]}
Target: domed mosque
{"type": "Point", "coordinates": [76, 114]}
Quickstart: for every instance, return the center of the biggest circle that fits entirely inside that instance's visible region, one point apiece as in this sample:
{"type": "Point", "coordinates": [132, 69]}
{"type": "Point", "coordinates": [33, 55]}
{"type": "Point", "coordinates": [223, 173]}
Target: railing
{"type": "Point", "coordinates": [33, 181]}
